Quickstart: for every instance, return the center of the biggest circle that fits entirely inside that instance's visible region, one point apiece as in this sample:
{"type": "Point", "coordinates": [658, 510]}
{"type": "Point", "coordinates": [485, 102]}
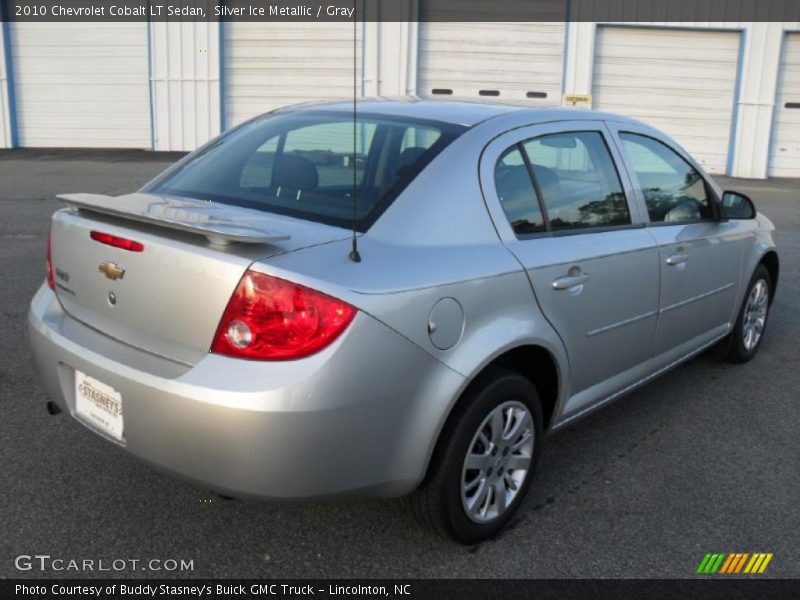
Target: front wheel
{"type": "Point", "coordinates": [484, 462]}
{"type": "Point", "coordinates": [751, 324]}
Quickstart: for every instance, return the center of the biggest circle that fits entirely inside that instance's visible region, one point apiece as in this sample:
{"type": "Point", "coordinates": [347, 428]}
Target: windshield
{"type": "Point", "coordinates": [308, 164]}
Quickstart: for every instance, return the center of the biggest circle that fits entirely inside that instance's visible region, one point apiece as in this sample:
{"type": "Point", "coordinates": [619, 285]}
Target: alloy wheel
{"type": "Point", "coordinates": [755, 315]}
{"type": "Point", "coordinates": [497, 462]}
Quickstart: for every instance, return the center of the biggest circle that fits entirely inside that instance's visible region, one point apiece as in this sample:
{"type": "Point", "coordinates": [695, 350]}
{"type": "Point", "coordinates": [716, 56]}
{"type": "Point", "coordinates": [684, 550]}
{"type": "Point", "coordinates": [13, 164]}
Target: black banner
{"type": "Point", "coordinates": [712, 588]}
{"type": "Point", "coordinates": [400, 10]}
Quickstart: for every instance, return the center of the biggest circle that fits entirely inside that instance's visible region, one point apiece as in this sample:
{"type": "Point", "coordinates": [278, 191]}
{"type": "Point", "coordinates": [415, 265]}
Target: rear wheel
{"type": "Point", "coordinates": [484, 462]}
{"type": "Point", "coordinates": [751, 324]}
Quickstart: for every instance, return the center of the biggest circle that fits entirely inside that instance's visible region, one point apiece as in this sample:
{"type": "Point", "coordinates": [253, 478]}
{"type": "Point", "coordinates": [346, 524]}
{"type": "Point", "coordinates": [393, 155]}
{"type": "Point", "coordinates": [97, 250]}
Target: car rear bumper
{"type": "Point", "coordinates": [360, 417]}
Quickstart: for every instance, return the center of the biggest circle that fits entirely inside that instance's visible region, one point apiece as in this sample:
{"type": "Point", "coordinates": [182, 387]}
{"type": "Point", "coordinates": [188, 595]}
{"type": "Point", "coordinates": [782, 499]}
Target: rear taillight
{"type": "Point", "coordinates": [272, 319]}
{"type": "Point", "coordinates": [51, 280]}
{"type": "Point", "coordinates": [116, 241]}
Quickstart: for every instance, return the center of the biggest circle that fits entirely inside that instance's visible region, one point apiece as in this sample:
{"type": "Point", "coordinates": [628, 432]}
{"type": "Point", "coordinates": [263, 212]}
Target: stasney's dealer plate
{"type": "Point", "coordinates": [99, 405]}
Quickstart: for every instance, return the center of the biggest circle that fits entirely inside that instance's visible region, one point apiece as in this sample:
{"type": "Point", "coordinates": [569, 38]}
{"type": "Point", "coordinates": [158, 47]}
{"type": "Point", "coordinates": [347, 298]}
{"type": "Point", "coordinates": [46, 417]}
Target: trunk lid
{"type": "Point", "coordinates": [168, 298]}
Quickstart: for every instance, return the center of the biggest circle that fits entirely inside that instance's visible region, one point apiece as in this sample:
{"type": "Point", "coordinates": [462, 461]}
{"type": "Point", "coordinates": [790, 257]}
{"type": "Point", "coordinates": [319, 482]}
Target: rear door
{"type": "Point", "coordinates": [564, 209]}
{"type": "Point", "coordinates": [700, 254]}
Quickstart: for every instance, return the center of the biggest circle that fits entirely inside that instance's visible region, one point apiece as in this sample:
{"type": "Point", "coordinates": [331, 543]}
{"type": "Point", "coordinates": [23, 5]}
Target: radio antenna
{"type": "Point", "coordinates": [354, 255]}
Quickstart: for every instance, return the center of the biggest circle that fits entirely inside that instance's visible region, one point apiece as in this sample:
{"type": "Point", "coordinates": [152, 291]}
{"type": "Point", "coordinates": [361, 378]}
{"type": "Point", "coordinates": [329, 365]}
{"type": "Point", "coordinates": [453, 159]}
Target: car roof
{"type": "Point", "coordinates": [456, 112]}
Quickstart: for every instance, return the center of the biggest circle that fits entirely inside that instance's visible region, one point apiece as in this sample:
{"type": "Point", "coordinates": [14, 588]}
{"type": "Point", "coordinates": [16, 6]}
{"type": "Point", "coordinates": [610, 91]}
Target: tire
{"type": "Point", "coordinates": [440, 504]}
{"type": "Point", "coordinates": [741, 348]}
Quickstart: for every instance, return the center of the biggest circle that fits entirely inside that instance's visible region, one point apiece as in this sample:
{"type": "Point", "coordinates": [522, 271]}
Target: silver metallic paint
{"type": "Point", "coordinates": [220, 223]}
{"type": "Point", "coordinates": [364, 414]}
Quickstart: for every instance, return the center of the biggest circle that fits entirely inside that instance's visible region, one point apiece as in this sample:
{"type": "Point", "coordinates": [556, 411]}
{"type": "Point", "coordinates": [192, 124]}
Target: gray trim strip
{"type": "Point", "coordinates": [695, 298]}
{"type": "Point", "coordinates": [613, 326]}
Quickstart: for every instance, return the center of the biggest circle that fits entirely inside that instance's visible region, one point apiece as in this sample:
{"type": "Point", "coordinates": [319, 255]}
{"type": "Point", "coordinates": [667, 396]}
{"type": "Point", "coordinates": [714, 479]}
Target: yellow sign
{"type": "Point", "coordinates": [579, 100]}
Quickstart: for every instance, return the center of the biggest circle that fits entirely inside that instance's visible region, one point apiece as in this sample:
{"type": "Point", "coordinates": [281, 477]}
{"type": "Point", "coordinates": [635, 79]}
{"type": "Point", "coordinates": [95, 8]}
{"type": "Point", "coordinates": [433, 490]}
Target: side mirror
{"type": "Point", "coordinates": [737, 206]}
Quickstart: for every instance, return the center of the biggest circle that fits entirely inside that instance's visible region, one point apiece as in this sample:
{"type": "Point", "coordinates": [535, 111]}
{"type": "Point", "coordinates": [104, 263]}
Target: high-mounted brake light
{"type": "Point", "coordinates": [51, 280]}
{"type": "Point", "coordinates": [273, 319]}
{"type": "Point", "coordinates": [117, 242]}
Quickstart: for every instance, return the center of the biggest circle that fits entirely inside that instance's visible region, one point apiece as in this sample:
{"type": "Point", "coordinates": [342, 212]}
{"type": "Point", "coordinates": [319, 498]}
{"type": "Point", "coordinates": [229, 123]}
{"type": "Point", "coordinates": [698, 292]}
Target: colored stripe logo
{"type": "Point", "coordinates": [734, 563]}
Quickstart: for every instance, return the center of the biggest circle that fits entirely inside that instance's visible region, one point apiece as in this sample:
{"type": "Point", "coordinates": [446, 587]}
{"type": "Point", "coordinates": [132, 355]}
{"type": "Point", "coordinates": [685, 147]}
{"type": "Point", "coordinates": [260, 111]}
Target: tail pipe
{"type": "Point", "coordinates": [53, 408]}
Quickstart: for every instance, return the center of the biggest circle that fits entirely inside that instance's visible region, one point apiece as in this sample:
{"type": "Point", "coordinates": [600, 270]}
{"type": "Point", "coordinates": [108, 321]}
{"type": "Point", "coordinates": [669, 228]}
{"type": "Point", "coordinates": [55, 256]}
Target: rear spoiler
{"type": "Point", "coordinates": [222, 224]}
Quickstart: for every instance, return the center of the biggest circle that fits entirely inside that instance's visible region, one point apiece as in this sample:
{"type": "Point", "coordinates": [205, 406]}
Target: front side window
{"type": "Point", "coordinates": [674, 191]}
{"type": "Point", "coordinates": [577, 180]}
{"type": "Point", "coordinates": [308, 164]}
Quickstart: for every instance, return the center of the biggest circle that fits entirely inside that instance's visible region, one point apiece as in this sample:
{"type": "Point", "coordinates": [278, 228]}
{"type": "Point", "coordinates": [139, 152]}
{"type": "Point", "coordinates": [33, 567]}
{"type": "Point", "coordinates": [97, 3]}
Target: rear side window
{"type": "Point", "coordinates": [674, 191]}
{"type": "Point", "coordinates": [577, 180]}
{"type": "Point", "coordinates": [559, 182]}
{"type": "Point", "coordinates": [517, 194]}
{"type": "Point", "coordinates": [309, 164]}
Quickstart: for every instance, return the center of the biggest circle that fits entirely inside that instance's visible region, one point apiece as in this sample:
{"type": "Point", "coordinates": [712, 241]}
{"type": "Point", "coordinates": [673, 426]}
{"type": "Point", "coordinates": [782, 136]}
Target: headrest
{"type": "Point", "coordinates": [515, 187]}
{"type": "Point", "coordinates": [409, 156]}
{"type": "Point", "coordinates": [295, 172]}
{"type": "Point", "coordinates": [546, 178]}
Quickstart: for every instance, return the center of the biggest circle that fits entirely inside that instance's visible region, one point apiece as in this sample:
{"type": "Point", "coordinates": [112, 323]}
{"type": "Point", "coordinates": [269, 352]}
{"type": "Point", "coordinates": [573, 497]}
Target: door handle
{"type": "Point", "coordinates": [570, 281]}
{"type": "Point", "coordinates": [679, 258]}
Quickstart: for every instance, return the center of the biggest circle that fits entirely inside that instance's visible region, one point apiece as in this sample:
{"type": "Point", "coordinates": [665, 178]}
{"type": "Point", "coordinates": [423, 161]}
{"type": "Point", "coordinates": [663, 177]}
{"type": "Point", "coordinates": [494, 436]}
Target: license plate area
{"type": "Point", "coordinates": [99, 405]}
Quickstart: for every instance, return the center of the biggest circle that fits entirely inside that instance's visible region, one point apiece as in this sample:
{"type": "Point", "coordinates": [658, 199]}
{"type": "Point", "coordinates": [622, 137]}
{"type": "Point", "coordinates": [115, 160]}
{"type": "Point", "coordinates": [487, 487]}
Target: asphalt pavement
{"type": "Point", "coordinates": [704, 459]}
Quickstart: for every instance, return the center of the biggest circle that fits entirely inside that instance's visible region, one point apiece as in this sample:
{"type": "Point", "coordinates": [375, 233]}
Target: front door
{"type": "Point", "coordinates": [700, 254]}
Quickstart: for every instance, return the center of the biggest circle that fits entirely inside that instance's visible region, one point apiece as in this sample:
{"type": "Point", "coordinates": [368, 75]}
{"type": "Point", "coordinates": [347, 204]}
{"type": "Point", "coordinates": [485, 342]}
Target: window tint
{"type": "Point", "coordinates": [257, 171]}
{"type": "Point", "coordinates": [517, 194]}
{"type": "Point", "coordinates": [329, 147]}
{"type": "Point", "coordinates": [419, 137]}
{"type": "Point", "coordinates": [673, 190]}
{"type": "Point", "coordinates": [578, 181]}
{"type": "Point", "coordinates": [304, 164]}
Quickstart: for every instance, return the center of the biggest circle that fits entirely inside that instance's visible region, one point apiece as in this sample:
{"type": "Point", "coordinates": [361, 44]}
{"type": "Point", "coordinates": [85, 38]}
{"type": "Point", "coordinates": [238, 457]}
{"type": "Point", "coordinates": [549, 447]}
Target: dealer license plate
{"type": "Point", "coordinates": [99, 404]}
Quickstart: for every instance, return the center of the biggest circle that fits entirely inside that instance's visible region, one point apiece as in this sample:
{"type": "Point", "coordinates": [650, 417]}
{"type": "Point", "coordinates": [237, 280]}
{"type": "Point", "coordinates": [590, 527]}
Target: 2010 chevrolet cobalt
{"type": "Point", "coordinates": [401, 299]}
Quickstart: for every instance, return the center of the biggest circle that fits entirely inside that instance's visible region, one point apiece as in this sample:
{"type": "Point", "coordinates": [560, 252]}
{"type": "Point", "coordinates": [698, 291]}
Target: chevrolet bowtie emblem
{"type": "Point", "coordinates": [111, 270]}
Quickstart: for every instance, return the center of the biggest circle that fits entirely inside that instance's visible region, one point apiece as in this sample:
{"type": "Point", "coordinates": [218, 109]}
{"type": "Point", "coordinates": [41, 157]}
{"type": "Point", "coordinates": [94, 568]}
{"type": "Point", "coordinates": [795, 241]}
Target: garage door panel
{"type": "Point", "coordinates": [100, 96]}
{"type": "Point", "coordinates": [784, 160]}
{"type": "Point", "coordinates": [671, 53]}
{"type": "Point", "coordinates": [500, 81]}
{"type": "Point", "coordinates": [122, 136]}
{"type": "Point", "coordinates": [682, 82]}
{"type": "Point", "coordinates": [631, 96]}
{"type": "Point", "coordinates": [269, 65]}
{"type": "Point", "coordinates": [66, 80]}
{"type": "Point", "coordinates": [335, 50]}
{"type": "Point", "coordinates": [513, 64]}
{"type": "Point", "coordinates": [692, 78]}
{"type": "Point", "coordinates": [500, 36]}
{"type": "Point", "coordinates": [680, 59]}
{"type": "Point", "coordinates": [82, 85]}
{"type": "Point", "coordinates": [79, 64]}
{"type": "Point", "coordinates": [512, 58]}
{"type": "Point", "coordinates": [292, 33]}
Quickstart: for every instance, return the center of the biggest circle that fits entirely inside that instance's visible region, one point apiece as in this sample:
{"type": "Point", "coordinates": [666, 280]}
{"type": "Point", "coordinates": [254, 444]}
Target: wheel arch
{"type": "Point", "coordinates": [772, 263]}
{"type": "Point", "coordinates": [539, 366]}
{"type": "Point", "coordinates": [534, 361]}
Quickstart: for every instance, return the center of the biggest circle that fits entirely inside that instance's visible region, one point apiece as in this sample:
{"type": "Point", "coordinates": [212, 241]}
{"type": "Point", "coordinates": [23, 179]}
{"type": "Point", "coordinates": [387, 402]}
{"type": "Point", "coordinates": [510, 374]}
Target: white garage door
{"type": "Point", "coordinates": [521, 63]}
{"type": "Point", "coordinates": [82, 84]}
{"type": "Point", "coordinates": [682, 82]}
{"type": "Point", "coordinates": [269, 65]}
{"type": "Point", "coordinates": [784, 159]}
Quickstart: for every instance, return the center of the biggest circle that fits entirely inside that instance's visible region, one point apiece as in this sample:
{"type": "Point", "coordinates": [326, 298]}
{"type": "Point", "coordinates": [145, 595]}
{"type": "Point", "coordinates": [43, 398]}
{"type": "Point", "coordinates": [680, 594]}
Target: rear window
{"type": "Point", "coordinates": [309, 164]}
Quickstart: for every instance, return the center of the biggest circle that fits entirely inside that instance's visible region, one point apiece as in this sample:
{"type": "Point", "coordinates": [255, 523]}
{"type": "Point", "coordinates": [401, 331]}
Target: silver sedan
{"type": "Point", "coordinates": [404, 299]}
